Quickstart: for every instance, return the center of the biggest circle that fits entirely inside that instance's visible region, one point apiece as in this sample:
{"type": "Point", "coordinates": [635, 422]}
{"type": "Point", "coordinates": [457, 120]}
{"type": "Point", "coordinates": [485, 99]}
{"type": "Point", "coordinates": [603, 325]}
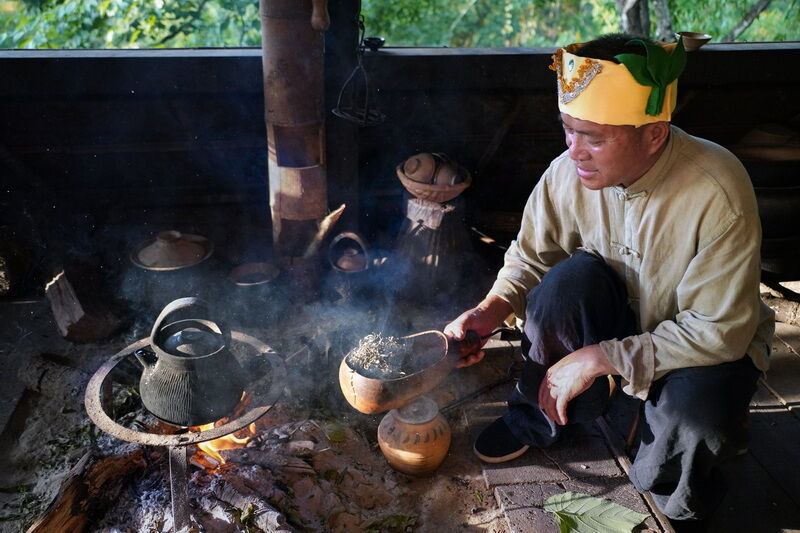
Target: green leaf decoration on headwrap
{"type": "Point", "coordinates": [657, 69]}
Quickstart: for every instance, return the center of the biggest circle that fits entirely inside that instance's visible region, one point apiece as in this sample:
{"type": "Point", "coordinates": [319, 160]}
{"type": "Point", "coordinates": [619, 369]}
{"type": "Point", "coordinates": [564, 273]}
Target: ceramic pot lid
{"type": "Point", "coordinates": [172, 250]}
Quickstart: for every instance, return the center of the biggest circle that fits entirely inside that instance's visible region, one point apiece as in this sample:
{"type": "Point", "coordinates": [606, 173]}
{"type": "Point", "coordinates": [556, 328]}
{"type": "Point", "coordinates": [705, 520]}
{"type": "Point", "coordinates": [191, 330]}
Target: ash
{"type": "Point", "coordinates": [306, 475]}
{"type": "Point", "coordinates": [380, 357]}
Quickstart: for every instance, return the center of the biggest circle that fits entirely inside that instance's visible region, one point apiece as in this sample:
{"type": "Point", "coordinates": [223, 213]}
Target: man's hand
{"type": "Point", "coordinates": [569, 377]}
{"type": "Point", "coordinates": [482, 319]}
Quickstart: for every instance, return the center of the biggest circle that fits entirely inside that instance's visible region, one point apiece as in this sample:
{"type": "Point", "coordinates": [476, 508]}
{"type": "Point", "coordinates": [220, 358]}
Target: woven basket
{"type": "Point", "coordinates": [431, 191]}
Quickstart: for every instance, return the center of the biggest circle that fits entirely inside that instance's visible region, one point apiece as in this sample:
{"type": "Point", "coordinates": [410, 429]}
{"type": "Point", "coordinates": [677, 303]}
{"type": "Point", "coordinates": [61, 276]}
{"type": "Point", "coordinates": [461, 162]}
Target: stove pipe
{"type": "Point", "coordinates": [292, 59]}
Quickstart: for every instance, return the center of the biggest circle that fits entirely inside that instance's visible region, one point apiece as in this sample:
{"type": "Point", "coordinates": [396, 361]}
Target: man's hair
{"type": "Point", "coordinates": [609, 45]}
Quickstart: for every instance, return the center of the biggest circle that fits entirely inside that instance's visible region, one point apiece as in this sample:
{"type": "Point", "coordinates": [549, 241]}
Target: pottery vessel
{"type": "Point", "coordinates": [348, 253]}
{"type": "Point", "coordinates": [415, 438]}
{"type": "Point", "coordinates": [169, 266]}
{"type": "Point", "coordinates": [693, 40]}
{"type": "Point", "coordinates": [372, 395]}
{"type": "Point", "coordinates": [191, 377]}
{"type": "Point", "coordinates": [435, 354]}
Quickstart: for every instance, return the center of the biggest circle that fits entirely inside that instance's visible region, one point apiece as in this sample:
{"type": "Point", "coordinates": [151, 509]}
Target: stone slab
{"type": "Point", "coordinates": [763, 399]}
{"type": "Point", "coordinates": [790, 334]}
{"type": "Point", "coordinates": [756, 504]}
{"type": "Point", "coordinates": [783, 375]}
{"type": "Point", "coordinates": [581, 453]}
{"type": "Point", "coordinates": [523, 504]}
{"type": "Point", "coordinates": [775, 444]}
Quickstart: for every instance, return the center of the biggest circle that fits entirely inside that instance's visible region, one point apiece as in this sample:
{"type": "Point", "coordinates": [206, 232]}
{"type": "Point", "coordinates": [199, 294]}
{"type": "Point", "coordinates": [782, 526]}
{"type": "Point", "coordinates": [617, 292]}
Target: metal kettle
{"type": "Point", "coordinates": [191, 377]}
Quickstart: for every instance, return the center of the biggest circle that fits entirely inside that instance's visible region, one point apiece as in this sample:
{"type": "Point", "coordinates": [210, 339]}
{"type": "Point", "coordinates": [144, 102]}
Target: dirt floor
{"type": "Point", "coordinates": [311, 445]}
{"type": "Point", "coordinates": [314, 463]}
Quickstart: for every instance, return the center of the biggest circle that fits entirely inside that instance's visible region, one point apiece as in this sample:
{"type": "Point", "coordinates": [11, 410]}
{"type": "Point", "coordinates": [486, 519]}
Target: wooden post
{"type": "Point", "coordinates": [293, 50]}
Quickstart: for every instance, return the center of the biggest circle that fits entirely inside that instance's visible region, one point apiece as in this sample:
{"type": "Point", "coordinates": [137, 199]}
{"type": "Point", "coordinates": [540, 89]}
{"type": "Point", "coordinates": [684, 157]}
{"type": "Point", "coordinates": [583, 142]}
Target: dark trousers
{"type": "Point", "coordinates": [694, 419]}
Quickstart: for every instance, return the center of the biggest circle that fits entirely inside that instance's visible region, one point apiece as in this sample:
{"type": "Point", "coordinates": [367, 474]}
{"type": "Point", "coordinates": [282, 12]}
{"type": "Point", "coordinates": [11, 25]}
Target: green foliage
{"type": "Point", "coordinates": [455, 23]}
{"type": "Point", "coordinates": [247, 516]}
{"type": "Point", "coordinates": [579, 513]}
{"type": "Point", "coordinates": [471, 23]}
{"type": "Point", "coordinates": [335, 431]}
{"type": "Point", "coordinates": [129, 24]}
{"type": "Point", "coordinates": [657, 69]}
{"type": "Point", "coordinates": [718, 17]}
{"type": "Point", "coordinates": [490, 23]}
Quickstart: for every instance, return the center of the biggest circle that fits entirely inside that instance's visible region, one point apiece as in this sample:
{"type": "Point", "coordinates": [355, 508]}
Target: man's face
{"type": "Point", "coordinates": [606, 155]}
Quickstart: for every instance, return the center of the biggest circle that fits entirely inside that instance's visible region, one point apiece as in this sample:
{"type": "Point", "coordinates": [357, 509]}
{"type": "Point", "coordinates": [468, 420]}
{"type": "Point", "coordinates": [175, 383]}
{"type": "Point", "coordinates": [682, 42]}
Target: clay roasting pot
{"type": "Point", "coordinates": [438, 356]}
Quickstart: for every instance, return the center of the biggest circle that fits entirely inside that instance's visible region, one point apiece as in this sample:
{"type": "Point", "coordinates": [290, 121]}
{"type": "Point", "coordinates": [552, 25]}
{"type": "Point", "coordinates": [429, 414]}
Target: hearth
{"type": "Point", "coordinates": [263, 389]}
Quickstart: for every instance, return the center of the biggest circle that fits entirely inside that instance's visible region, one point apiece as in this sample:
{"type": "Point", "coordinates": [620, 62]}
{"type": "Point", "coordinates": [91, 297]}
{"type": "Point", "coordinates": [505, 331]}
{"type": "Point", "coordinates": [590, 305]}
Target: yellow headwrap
{"type": "Point", "coordinates": [606, 92]}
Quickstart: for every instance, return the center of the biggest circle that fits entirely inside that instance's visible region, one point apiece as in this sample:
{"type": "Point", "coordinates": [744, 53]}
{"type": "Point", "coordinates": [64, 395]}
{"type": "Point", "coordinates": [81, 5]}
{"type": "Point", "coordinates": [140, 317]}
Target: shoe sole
{"type": "Point", "coordinates": [503, 459]}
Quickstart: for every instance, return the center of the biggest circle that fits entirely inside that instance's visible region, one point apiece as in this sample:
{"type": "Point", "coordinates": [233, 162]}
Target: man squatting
{"type": "Point", "coordinates": [637, 258]}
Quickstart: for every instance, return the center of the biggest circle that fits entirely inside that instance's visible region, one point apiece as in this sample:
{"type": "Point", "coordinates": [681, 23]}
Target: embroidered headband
{"type": "Point", "coordinates": [640, 90]}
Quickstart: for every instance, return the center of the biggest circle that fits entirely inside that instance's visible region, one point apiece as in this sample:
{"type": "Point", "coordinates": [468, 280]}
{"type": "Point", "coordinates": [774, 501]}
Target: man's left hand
{"type": "Point", "coordinates": [570, 377]}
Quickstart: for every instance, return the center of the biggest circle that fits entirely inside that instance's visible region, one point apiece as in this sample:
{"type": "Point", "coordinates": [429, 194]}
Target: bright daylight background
{"type": "Point", "coordinates": [454, 23]}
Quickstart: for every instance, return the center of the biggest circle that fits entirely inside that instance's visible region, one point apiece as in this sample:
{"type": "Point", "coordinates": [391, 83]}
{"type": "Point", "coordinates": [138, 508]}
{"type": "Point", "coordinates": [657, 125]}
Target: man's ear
{"type": "Point", "coordinates": [655, 135]}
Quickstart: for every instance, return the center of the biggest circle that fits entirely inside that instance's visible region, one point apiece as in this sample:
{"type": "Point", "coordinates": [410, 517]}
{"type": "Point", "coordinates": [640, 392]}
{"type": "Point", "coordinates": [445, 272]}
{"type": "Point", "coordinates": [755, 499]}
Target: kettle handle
{"type": "Point", "coordinates": [179, 305]}
{"type": "Point", "coordinates": [353, 236]}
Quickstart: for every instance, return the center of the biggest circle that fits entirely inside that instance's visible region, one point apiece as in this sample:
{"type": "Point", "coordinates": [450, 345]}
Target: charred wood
{"type": "Point", "coordinates": [88, 489]}
{"type": "Point", "coordinates": [80, 316]}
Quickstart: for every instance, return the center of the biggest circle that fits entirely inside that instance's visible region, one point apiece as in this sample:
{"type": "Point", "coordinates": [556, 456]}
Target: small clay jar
{"type": "Point", "coordinates": [414, 438]}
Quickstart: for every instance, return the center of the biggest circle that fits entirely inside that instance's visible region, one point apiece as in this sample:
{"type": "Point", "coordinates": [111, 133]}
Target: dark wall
{"type": "Point", "coordinates": [103, 149]}
{"type": "Point", "coordinates": [495, 111]}
{"type": "Point", "coordinates": [111, 146]}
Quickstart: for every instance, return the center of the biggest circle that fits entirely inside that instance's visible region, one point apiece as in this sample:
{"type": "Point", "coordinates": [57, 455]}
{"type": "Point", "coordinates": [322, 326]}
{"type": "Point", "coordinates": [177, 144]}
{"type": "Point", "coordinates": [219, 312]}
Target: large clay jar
{"type": "Point", "coordinates": [414, 438]}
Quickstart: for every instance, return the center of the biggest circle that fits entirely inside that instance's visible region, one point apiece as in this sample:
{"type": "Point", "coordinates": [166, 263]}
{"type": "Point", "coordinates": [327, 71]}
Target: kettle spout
{"type": "Point", "coordinates": [145, 357]}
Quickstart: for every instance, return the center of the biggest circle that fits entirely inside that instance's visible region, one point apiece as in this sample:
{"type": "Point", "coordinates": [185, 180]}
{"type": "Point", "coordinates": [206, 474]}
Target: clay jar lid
{"type": "Point", "coordinates": [172, 250]}
{"type": "Point", "coordinates": [420, 411]}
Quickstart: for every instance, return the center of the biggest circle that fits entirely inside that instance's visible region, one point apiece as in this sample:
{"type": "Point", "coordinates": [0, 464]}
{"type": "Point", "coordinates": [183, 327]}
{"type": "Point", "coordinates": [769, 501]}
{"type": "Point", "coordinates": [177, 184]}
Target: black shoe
{"type": "Point", "coordinates": [496, 443]}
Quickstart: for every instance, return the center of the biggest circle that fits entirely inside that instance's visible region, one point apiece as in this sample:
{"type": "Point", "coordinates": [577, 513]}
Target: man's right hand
{"type": "Point", "coordinates": [482, 319]}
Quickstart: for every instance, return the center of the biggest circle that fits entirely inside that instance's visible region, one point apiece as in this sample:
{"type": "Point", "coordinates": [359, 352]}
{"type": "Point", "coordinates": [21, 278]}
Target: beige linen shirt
{"type": "Point", "coordinates": [685, 238]}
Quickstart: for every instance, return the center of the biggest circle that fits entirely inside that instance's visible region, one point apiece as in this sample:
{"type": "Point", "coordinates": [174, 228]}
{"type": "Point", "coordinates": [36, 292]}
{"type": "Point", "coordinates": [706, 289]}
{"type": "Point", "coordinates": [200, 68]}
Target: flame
{"type": "Point", "coordinates": [228, 442]}
{"type": "Point", "coordinates": [210, 449]}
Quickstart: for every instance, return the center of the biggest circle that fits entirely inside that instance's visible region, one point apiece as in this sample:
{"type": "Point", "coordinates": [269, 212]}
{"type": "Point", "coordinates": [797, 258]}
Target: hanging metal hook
{"type": "Point", "coordinates": [356, 97]}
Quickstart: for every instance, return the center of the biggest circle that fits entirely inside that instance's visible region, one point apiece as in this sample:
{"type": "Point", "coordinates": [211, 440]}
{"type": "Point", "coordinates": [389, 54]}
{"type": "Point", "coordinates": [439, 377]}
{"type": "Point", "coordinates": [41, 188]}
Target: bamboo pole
{"type": "Point", "coordinates": [292, 59]}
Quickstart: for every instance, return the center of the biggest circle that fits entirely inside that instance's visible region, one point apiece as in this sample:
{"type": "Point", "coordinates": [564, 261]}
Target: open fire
{"type": "Point", "coordinates": [209, 456]}
{"type": "Point", "coordinates": [212, 448]}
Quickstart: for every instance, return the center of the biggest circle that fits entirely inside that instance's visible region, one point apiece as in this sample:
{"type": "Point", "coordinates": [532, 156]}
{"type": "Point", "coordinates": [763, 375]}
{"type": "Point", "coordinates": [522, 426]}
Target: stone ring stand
{"type": "Point", "coordinates": [261, 398]}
